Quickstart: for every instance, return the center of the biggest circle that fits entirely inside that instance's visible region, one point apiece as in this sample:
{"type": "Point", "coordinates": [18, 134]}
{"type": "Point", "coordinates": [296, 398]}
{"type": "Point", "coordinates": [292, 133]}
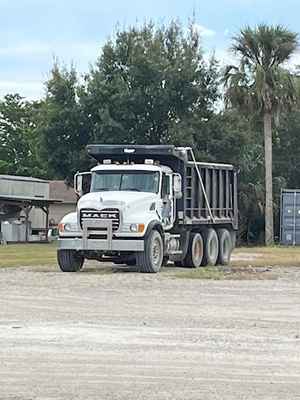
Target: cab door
{"type": "Point", "coordinates": [167, 210]}
{"type": "Point", "coordinates": [82, 183]}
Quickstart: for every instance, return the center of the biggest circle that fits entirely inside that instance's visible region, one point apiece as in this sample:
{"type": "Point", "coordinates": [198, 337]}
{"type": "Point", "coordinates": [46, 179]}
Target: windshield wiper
{"type": "Point", "coordinates": [131, 189]}
{"type": "Point", "coordinates": [102, 189]}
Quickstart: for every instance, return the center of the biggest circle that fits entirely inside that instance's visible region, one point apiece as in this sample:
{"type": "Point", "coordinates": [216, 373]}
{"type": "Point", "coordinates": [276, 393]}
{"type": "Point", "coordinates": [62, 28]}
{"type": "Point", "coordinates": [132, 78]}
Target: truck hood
{"type": "Point", "coordinates": [124, 200]}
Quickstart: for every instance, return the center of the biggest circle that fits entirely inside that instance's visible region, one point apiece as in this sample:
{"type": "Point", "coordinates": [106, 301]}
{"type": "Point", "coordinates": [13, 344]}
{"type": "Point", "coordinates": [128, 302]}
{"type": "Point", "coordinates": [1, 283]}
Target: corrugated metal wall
{"type": "Point", "coordinates": [23, 186]}
{"type": "Point", "coordinates": [290, 217]}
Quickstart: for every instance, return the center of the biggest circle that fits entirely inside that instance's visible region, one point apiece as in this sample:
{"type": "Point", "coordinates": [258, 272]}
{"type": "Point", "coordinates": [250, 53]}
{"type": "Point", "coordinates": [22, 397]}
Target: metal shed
{"type": "Point", "coordinates": [27, 198]}
{"type": "Point", "coordinates": [290, 217]}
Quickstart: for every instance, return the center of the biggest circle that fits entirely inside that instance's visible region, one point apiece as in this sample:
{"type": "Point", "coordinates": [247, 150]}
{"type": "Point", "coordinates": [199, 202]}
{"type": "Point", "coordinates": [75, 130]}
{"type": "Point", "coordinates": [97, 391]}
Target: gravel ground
{"type": "Point", "coordinates": [124, 335]}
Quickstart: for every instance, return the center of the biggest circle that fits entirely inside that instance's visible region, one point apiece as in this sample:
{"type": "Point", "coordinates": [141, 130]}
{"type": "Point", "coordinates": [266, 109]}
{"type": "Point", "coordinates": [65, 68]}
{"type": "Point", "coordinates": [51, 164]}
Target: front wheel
{"type": "Point", "coordinates": [69, 260]}
{"type": "Point", "coordinates": [150, 260]}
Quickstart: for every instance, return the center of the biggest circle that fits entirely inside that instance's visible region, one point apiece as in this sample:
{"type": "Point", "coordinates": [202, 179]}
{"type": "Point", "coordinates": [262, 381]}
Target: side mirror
{"type": "Point", "coordinates": [177, 186]}
{"type": "Point", "coordinates": [82, 183]}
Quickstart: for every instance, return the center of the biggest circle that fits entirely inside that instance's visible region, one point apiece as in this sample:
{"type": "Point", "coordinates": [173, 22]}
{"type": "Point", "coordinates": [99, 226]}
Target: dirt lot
{"type": "Point", "coordinates": [100, 334]}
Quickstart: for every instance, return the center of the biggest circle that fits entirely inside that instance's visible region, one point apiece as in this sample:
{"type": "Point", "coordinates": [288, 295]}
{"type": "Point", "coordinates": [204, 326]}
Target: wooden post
{"type": "Point", "coordinates": [27, 210]}
{"type": "Point", "coordinates": [47, 221]}
{"type": "Point", "coordinates": [45, 209]}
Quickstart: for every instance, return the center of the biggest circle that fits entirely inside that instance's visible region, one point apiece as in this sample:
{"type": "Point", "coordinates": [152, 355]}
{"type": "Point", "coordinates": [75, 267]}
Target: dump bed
{"type": "Point", "coordinates": [210, 194]}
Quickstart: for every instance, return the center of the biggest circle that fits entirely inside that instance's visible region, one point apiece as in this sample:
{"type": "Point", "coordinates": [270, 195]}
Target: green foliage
{"type": "Point", "coordinates": [260, 83]}
{"type": "Point", "coordinates": [287, 149]}
{"type": "Point", "coordinates": [17, 137]}
{"type": "Point", "coordinates": [62, 126]}
{"type": "Point", "coordinates": [148, 85]}
{"type": "Point", "coordinates": [220, 138]}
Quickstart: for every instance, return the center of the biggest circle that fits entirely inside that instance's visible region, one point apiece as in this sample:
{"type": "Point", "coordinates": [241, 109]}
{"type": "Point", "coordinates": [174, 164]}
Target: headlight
{"type": "Point", "coordinates": [68, 227]}
{"type": "Point", "coordinates": [137, 228]}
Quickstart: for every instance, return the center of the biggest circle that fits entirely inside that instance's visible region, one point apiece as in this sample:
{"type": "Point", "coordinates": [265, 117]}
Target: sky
{"type": "Point", "coordinates": [34, 32]}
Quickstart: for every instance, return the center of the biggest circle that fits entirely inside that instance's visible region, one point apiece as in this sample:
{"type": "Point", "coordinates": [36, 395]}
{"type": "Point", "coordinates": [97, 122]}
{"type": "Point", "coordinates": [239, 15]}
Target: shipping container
{"type": "Point", "coordinates": [290, 217]}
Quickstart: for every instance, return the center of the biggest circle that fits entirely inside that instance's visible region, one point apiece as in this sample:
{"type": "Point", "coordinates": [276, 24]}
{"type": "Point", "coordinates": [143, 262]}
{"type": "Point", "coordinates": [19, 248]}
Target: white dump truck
{"type": "Point", "coordinates": [147, 205]}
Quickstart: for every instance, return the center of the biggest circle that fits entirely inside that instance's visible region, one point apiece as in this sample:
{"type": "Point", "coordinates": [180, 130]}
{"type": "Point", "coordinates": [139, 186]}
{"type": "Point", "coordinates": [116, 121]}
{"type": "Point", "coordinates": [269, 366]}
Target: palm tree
{"type": "Point", "coordinates": [261, 84]}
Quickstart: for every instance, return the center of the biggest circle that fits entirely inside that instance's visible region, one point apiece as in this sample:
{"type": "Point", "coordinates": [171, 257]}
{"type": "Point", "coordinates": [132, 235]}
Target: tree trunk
{"type": "Point", "coordinates": [269, 230]}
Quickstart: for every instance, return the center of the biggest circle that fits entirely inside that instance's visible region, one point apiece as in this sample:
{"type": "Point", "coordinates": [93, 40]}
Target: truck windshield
{"type": "Point", "coordinates": [138, 181]}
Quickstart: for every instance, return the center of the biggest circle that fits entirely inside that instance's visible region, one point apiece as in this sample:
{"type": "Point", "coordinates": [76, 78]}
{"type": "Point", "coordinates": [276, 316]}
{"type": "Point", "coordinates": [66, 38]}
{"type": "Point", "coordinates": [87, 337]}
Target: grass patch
{"type": "Point", "coordinates": [284, 256]}
{"type": "Point", "coordinates": [248, 263]}
{"type": "Point", "coordinates": [213, 273]}
{"type": "Point", "coordinates": [228, 273]}
{"type": "Point", "coordinates": [23, 255]}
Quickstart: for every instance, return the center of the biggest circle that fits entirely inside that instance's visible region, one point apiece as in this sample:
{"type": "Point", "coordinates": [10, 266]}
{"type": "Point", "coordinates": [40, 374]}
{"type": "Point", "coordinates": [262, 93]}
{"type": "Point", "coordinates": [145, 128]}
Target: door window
{"type": "Point", "coordinates": [165, 188]}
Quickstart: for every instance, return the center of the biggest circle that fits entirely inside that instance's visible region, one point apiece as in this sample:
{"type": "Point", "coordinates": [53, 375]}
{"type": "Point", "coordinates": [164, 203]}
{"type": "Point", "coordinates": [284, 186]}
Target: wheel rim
{"type": "Point", "coordinates": [226, 248]}
{"type": "Point", "coordinates": [156, 252]}
{"type": "Point", "coordinates": [197, 251]}
{"type": "Point", "coordinates": [212, 246]}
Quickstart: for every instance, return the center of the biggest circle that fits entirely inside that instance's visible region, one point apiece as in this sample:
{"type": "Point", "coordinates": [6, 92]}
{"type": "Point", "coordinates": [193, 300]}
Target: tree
{"type": "Point", "coordinates": [260, 84]}
{"type": "Point", "coordinates": [286, 149]}
{"type": "Point", "coordinates": [148, 85]}
{"type": "Point", "coordinates": [62, 127]}
{"type": "Point", "coordinates": [17, 136]}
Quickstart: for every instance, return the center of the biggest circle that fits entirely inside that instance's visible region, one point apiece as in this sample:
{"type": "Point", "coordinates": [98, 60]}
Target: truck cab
{"type": "Point", "coordinates": [130, 210]}
{"type": "Point", "coordinates": [139, 192]}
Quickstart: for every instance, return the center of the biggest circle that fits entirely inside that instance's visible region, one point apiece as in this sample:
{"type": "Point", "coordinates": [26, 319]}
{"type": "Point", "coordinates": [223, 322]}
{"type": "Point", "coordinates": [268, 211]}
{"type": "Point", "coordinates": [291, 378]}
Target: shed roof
{"type": "Point", "coordinates": [21, 178]}
{"type": "Point", "coordinates": [34, 201]}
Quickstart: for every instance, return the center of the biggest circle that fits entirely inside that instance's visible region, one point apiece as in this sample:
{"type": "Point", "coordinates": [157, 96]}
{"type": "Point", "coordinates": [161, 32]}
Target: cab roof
{"type": "Point", "coordinates": [131, 167]}
{"type": "Point", "coordinates": [121, 152]}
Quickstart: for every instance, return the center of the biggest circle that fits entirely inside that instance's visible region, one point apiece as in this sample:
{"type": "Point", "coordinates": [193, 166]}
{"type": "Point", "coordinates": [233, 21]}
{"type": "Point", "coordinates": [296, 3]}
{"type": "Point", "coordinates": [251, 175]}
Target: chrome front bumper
{"type": "Point", "coordinates": [105, 242]}
{"type": "Point", "coordinates": [101, 245]}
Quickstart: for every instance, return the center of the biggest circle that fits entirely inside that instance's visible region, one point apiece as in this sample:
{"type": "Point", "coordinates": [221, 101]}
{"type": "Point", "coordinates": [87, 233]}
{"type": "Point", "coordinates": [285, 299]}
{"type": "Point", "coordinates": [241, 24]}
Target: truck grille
{"type": "Point", "coordinates": [106, 213]}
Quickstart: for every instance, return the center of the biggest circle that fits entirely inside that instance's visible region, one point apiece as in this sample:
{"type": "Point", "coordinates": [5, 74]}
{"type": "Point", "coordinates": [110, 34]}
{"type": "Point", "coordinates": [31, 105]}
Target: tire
{"type": "Point", "coordinates": [193, 258]}
{"type": "Point", "coordinates": [150, 260]}
{"type": "Point", "coordinates": [211, 247]}
{"type": "Point", "coordinates": [225, 246]}
{"type": "Point", "coordinates": [69, 260]}
{"type": "Point", "coordinates": [233, 238]}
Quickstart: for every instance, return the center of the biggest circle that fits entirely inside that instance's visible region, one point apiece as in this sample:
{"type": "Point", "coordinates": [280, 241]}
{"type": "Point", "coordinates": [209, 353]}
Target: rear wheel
{"type": "Point", "coordinates": [211, 247]}
{"type": "Point", "coordinates": [150, 260]}
{"type": "Point", "coordinates": [194, 254]}
{"type": "Point", "coordinates": [69, 260]}
{"type": "Point", "coordinates": [225, 246]}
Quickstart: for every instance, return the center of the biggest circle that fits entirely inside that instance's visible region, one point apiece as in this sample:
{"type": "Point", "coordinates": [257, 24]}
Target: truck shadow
{"type": "Point", "coordinates": [121, 269]}
{"type": "Point", "coordinates": [109, 269]}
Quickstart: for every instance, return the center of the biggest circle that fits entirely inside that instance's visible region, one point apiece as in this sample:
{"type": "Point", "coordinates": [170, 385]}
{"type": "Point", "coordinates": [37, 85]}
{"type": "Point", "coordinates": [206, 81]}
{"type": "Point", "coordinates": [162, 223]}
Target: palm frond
{"type": "Point", "coordinates": [260, 76]}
